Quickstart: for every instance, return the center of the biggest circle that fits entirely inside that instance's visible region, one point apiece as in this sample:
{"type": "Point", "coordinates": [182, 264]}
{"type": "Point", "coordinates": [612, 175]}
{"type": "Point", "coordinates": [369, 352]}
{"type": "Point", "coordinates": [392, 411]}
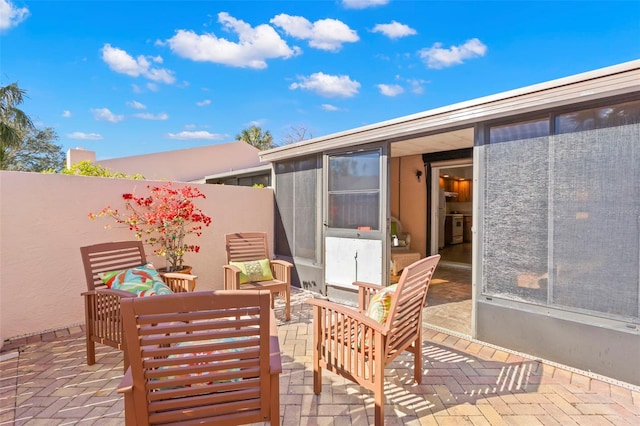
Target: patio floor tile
{"type": "Point", "coordinates": [45, 380]}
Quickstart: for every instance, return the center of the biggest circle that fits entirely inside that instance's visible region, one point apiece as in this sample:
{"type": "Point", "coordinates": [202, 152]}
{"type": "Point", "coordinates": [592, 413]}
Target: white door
{"type": "Point", "coordinates": [355, 217]}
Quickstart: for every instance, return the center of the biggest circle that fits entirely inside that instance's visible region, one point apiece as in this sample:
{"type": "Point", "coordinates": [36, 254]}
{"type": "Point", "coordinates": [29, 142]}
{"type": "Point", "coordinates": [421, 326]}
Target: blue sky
{"type": "Point", "coordinates": [132, 77]}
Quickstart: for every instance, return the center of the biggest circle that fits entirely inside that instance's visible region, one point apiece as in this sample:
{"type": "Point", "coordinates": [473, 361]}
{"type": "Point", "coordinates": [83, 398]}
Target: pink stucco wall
{"type": "Point", "coordinates": [44, 221]}
{"type": "Point", "coordinates": [183, 165]}
{"type": "Point", "coordinates": [409, 199]}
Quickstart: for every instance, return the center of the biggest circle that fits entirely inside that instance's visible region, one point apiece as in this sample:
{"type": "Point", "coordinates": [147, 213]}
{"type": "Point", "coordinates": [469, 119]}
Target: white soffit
{"type": "Point", "coordinates": [448, 141]}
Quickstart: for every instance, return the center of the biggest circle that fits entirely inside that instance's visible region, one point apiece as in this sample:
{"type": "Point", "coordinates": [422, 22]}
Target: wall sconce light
{"type": "Point", "coordinates": [418, 174]}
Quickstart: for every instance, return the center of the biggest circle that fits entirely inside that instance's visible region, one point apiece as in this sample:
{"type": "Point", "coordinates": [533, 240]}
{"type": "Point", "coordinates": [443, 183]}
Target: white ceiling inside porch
{"type": "Point", "coordinates": [448, 141]}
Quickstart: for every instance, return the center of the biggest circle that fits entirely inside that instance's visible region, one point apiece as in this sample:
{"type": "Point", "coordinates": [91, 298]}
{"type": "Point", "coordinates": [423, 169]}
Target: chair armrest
{"type": "Point", "coordinates": [179, 282]}
{"type": "Point", "coordinates": [365, 292]}
{"type": "Point", "coordinates": [282, 262]}
{"type": "Point", "coordinates": [126, 384]}
{"type": "Point", "coordinates": [281, 270]}
{"type": "Point", "coordinates": [347, 312]}
{"type": "Point", "coordinates": [231, 277]}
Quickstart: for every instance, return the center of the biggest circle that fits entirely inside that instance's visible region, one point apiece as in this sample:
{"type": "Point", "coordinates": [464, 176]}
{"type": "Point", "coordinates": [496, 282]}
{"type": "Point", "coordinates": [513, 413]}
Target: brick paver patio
{"type": "Point", "coordinates": [45, 381]}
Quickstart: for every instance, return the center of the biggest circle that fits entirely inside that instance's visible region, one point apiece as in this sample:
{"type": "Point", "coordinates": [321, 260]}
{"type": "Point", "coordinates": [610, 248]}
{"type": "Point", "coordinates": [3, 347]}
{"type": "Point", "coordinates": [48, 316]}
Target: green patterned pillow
{"type": "Point", "coordinates": [254, 270]}
{"type": "Point", "coordinates": [380, 304]}
{"type": "Point", "coordinates": [143, 280]}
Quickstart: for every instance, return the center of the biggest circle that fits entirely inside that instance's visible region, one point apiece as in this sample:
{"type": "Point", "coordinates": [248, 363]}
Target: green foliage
{"type": "Point", "coordinates": [14, 123]}
{"type": "Point", "coordinates": [37, 152]}
{"type": "Point", "coordinates": [87, 168]}
{"type": "Point", "coordinates": [254, 136]}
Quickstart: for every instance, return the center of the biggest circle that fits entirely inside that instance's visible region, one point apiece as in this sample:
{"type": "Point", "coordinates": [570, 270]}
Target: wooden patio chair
{"type": "Point", "coordinates": [102, 305]}
{"type": "Point", "coordinates": [208, 357]}
{"type": "Point", "coordinates": [250, 267]}
{"type": "Point", "coordinates": [359, 344]}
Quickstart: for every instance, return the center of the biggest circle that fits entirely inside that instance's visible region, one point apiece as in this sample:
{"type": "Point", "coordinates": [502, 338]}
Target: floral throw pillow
{"type": "Point", "coordinates": [143, 281]}
{"type": "Point", "coordinates": [255, 270]}
{"type": "Point", "coordinates": [380, 304]}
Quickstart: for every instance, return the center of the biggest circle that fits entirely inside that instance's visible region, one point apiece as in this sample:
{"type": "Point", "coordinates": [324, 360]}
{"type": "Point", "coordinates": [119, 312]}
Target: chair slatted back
{"type": "Point", "coordinates": [245, 246]}
{"type": "Point", "coordinates": [200, 357]}
{"type": "Point", "coordinates": [111, 256]}
{"type": "Point", "coordinates": [405, 314]}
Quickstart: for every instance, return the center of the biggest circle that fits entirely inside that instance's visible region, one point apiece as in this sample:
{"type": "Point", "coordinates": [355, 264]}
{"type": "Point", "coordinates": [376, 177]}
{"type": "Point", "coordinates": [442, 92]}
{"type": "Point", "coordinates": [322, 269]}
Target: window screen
{"type": "Point", "coordinates": [296, 206]}
{"type": "Point", "coordinates": [354, 190]}
{"type": "Point", "coordinates": [561, 215]}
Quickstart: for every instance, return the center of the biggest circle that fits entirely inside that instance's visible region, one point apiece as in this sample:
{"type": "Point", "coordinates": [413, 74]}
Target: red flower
{"type": "Point", "coordinates": [162, 219]}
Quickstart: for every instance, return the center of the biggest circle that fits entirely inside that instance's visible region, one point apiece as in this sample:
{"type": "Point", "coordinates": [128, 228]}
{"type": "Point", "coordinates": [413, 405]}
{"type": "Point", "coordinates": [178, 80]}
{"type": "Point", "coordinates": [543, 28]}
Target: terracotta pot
{"type": "Point", "coordinates": [186, 269]}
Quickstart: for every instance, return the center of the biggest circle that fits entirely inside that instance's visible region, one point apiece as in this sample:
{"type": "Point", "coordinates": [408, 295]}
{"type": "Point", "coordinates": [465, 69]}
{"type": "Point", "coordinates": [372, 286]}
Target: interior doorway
{"type": "Point", "coordinates": [452, 212]}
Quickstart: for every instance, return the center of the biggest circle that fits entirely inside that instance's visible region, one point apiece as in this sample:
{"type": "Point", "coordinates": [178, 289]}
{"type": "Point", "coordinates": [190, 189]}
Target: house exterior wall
{"type": "Point", "coordinates": [184, 165]}
{"type": "Point", "coordinates": [44, 222]}
{"type": "Point", "coordinates": [558, 253]}
{"type": "Point", "coordinates": [409, 199]}
{"type": "Point", "coordinates": [590, 332]}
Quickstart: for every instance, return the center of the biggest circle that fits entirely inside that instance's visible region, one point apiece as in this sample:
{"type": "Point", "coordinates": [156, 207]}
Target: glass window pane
{"type": "Point", "coordinates": [519, 131]}
{"type": "Point", "coordinates": [305, 203]}
{"type": "Point", "coordinates": [515, 222]}
{"type": "Point", "coordinates": [596, 233]}
{"type": "Point", "coordinates": [359, 171]}
{"type": "Point", "coordinates": [296, 203]}
{"type": "Point", "coordinates": [598, 118]}
{"type": "Point", "coordinates": [353, 210]}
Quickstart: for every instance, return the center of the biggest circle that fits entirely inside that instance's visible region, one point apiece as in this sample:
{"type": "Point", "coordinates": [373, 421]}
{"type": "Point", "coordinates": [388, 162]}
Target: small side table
{"type": "Point", "coordinates": [402, 259]}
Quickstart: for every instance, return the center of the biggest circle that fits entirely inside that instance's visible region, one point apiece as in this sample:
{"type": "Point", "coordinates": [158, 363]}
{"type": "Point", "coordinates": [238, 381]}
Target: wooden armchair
{"type": "Point", "coordinates": [251, 247]}
{"type": "Point", "coordinates": [355, 346]}
{"type": "Point", "coordinates": [102, 305]}
{"type": "Point", "coordinates": [201, 358]}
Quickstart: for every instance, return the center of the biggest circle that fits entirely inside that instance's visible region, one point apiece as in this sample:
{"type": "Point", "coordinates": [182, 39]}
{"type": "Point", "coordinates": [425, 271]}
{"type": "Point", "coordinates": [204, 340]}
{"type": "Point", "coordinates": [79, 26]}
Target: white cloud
{"type": "Point", "coordinates": [328, 85]}
{"type": "Point", "coordinates": [329, 107]}
{"type": "Point", "coordinates": [394, 30]}
{"type": "Point", "coordinates": [195, 135]}
{"type": "Point", "coordinates": [363, 4]}
{"type": "Point", "coordinates": [437, 57]}
{"type": "Point", "coordinates": [204, 103]}
{"type": "Point", "coordinates": [390, 89]}
{"type": "Point", "coordinates": [11, 15]}
{"type": "Point", "coordinates": [255, 45]}
{"type": "Point", "coordinates": [104, 114]}
{"type": "Point", "coordinates": [153, 87]}
{"type": "Point", "coordinates": [190, 126]}
{"type": "Point", "coordinates": [85, 136]}
{"type": "Point", "coordinates": [416, 85]}
{"type": "Point", "coordinates": [257, 123]}
{"type": "Point", "coordinates": [136, 105]}
{"type": "Point", "coordinates": [66, 113]}
{"type": "Point", "coordinates": [324, 34]}
{"type": "Point", "coordinates": [121, 62]}
{"type": "Point", "coordinates": [149, 116]}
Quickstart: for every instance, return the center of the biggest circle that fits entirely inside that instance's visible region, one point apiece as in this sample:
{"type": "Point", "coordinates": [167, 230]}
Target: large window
{"type": "Point", "coordinates": [354, 191]}
{"type": "Point", "coordinates": [561, 214]}
{"type": "Point", "coordinates": [296, 207]}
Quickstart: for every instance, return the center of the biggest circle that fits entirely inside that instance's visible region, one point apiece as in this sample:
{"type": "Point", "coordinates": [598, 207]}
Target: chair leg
{"type": "Point", "coordinates": [317, 350]}
{"type": "Point", "coordinates": [378, 384]}
{"type": "Point", "coordinates": [417, 358]}
{"type": "Point", "coordinates": [274, 417]}
{"type": "Point", "coordinates": [91, 350]}
{"type": "Point", "coordinates": [378, 397]}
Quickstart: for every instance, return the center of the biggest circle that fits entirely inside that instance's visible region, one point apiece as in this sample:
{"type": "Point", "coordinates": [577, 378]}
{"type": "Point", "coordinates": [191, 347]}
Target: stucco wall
{"type": "Point", "coordinates": [409, 199]}
{"type": "Point", "coordinates": [44, 221]}
{"type": "Point", "coordinates": [183, 165]}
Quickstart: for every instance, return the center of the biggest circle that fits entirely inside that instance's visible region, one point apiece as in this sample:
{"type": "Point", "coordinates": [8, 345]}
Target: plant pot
{"type": "Point", "coordinates": [186, 269]}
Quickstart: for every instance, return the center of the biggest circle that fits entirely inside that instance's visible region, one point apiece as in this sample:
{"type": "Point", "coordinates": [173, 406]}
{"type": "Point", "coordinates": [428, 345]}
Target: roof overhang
{"type": "Point", "coordinates": [240, 172]}
{"type": "Point", "coordinates": [461, 117]}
